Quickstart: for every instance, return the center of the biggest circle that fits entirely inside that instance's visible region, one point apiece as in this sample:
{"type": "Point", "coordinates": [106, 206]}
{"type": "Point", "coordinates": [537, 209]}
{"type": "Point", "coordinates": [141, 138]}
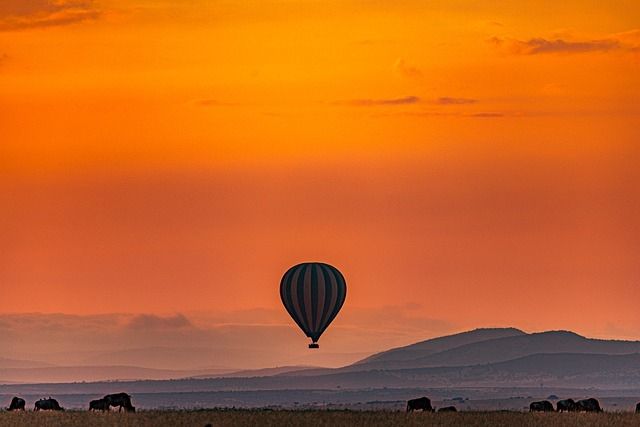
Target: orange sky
{"type": "Point", "coordinates": [480, 160]}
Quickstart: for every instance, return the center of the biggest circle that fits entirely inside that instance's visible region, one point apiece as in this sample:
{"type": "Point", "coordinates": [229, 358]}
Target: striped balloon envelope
{"type": "Point", "coordinates": [313, 293]}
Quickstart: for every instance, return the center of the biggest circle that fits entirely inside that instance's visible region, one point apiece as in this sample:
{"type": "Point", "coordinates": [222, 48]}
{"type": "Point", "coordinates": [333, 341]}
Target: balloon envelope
{"type": "Point", "coordinates": [313, 293]}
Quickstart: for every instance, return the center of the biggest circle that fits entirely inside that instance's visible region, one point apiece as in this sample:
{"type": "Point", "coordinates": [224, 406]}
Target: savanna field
{"type": "Point", "coordinates": [258, 213]}
{"type": "Point", "coordinates": [314, 418]}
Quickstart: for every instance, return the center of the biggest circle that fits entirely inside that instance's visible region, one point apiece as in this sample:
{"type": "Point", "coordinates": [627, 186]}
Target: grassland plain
{"type": "Point", "coordinates": [223, 418]}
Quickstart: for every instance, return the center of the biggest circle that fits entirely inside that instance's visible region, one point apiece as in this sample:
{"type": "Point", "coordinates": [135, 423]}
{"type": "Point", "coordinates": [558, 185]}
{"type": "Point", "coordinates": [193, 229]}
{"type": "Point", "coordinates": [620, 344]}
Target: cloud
{"type": "Point", "coordinates": [214, 103]}
{"type": "Point", "coordinates": [455, 101]}
{"type": "Point", "coordinates": [384, 101]}
{"type": "Point", "coordinates": [406, 100]}
{"type": "Point", "coordinates": [374, 42]}
{"type": "Point", "coordinates": [630, 39]}
{"type": "Point", "coordinates": [424, 113]}
{"type": "Point", "coordinates": [149, 322]}
{"type": "Point", "coordinates": [253, 338]}
{"type": "Point", "coordinates": [631, 36]}
{"type": "Point", "coordinates": [539, 45]}
{"type": "Point", "coordinates": [563, 44]}
{"type": "Point", "coordinates": [28, 14]}
{"type": "Point", "coordinates": [405, 69]}
{"type": "Point", "coordinates": [487, 114]}
{"type": "Point", "coordinates": [451, 113]}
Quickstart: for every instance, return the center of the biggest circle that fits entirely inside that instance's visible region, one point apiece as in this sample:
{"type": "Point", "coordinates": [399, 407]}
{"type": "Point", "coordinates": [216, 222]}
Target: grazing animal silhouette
{"type": "Point", "coordinates": [541, 406]}
{"type": "Point", "coordinates": [99, 405]}
{"type": "Point", "coordinates": [448, 409]}
{"type": "Point", "coordinates": [589, 405]}
{"type": "Point", "coordinates": [566, 405]}
{"type": "Point", "coordinates": [47, 405]}
{"type": "Point", "coordinates": [122, 400]}
{"type": "Point", "coordinates": [421, 403]}
{"type": "Point", "coordinates": [637, 408]}
{"type": "Point", "coordinates": [17, 404]}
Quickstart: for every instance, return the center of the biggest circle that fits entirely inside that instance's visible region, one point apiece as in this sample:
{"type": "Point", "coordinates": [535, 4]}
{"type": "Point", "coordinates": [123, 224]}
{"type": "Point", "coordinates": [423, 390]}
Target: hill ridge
{"type": "Point", "coordinates": [483, 351]}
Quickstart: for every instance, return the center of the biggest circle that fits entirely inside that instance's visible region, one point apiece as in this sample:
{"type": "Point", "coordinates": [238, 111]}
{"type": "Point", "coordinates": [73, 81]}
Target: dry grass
{"type": "Point", "coordinates": [314, 418]}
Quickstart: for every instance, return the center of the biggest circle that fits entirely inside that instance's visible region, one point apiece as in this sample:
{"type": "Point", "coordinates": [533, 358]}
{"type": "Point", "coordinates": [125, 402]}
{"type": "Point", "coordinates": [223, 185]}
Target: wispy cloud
{"type": "Point", "coordinates": [539, 45]}
{"type": "Point", "coordinates": [451, 113]}
{"type": "Point", "coordinates": [29, 14]}
{"type": "Point", "coordinates": [235, 339]}
{"type": "Point", "coordinates": [446, 100]}
{"type": "Point", "coordinates": [631, 40]}
{"type": "Point", "coordinates": [149, 322]}
{"type": "Point", "coordinates": [406, 100]}
{"type": "Point", "coordinates": [374, 42]}
{"type": "Point", "coordinates": [214, 103]}
{"type": "Point", "coordinates": [631, 36]}
{"type": "Point", "coordinates": [486, 114]}
{"type": "Point", "coordinates": [405, 69]}
{"type": "Point", "coordinates": [380, 101]}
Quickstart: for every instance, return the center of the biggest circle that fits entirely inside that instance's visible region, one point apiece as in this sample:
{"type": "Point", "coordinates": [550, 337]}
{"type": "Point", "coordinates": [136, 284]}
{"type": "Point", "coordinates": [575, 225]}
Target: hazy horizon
{"type": "Point", "coordinates": [162, 164]}
{"type": "Point", "coordinates": [197, 342]}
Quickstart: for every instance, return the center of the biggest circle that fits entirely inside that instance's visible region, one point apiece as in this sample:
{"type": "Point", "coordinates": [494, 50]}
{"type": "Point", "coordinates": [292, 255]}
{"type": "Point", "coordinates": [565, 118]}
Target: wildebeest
{"type": "Point", "coordinates": [637, 408]}
{"type": "Point", "coordinates": [421, 403]}
{"type": "Point", "coordinates": [99, 405]}
{"type": "Point", "coordinates": [566, 405]}
{"type": "Point", "coordinates": [47, 405]}
{"type": "Point", "coordinates": [17, 404]}
{"type": "Point", "coordinates": [589, 405]}
{"type": "Point", "coordinates": [448, 409]}
{"type": "Point", "coordinates": [541, 406]}
{"type": "Point", "coordinates": [123, 400]}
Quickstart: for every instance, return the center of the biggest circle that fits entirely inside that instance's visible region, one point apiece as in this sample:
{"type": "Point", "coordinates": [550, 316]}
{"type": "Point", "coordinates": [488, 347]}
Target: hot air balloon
{"type": "Point", "coordinates": [313, 294]}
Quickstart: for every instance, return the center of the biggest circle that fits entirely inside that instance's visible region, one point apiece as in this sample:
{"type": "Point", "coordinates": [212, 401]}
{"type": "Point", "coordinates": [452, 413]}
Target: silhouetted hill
{"type": "Point", "coordinates": [59, 374]}
{"type": "Point", "coordinates": [436, 345]}
{"type": "Point", "coordinates": [565, 365]}
{"type": "Point", "coordinates": [556, 369]}
{"type": "Point", "coordinates": [404, 356]}
{"type": "Point", "coordinates": [165, 358]}
{"type": "Point", "coordinates": [265, 372]}
{"type": "Point", "coordinates": [560, 370]}
{"type": "Point", "coordinates": [6, 363]}
{"type": "Point", "coordinates": [496, 350]}
{"type": "Point", "coordinates": [480, 358]}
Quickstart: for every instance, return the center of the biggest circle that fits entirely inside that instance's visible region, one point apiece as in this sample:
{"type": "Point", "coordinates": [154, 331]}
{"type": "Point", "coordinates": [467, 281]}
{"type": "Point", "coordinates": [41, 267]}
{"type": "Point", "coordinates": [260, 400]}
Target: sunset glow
{"type": "Point", "coordinates": [460, 162]}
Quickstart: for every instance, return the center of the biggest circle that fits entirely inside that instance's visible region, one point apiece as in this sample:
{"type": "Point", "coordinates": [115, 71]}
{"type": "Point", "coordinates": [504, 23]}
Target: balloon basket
{"type": "Point", "coordinates": [314, 345]}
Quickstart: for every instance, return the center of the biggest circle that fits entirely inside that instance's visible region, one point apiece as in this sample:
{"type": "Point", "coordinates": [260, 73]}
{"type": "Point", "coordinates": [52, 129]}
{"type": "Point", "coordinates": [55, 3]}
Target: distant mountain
{"type": "Point", "coordinates": [395, 356]}
{"type": "Point", "coordinates": [165, 358]}
{"type": "Point", "coordinates": [514, 344]}
{"type": "Point", "coordinates": [570, 365]}
{"type": "Point", "coordinates": [557, 370]}
{"type": "Point", "coordinates": [436, 345]}
{"type": "Point", "coordinates": [60, 374]}
{"type": "Point", "coordinates": [266, 372]}
{"type": "Point", "coordinates": [560, 370]}
{"type": "Point", "coordinates": [480, 358]}
{"type": "Point", "coordinates": [6, 363]}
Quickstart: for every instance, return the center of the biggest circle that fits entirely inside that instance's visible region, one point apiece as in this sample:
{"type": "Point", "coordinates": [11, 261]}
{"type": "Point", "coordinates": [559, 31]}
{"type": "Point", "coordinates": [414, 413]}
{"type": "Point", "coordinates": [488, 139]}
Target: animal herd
{"type": "Point", "coordinates": [569, 405]}
{"type": "Point", "coordinates": [566, 405]}
{"type": "Point", "coordinates": [123, 401]}
{"type": "Point", "coordinates": [424, 404]}
{"type": "Point", "coordinates": [119, 400]}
